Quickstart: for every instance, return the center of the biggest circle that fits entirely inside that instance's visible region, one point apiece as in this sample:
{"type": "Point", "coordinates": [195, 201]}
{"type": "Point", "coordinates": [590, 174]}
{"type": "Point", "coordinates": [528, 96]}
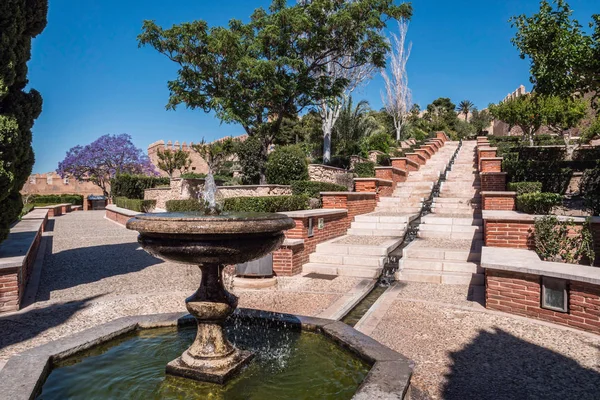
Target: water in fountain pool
{"type": "Point", "coordinates": [288, 365]}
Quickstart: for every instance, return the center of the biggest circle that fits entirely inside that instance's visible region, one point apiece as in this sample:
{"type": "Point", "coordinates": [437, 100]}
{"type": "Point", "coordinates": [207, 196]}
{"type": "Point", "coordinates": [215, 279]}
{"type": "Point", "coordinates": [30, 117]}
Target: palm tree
{"type": "Point", "coordinates": [352, 125]}
{"type": "Point", "coordinates": [465, 107]}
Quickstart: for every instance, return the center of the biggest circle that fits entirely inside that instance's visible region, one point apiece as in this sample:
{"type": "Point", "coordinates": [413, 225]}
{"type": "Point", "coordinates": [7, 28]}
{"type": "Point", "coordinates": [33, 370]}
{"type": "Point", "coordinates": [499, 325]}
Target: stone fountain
{"type": "Point", "coordinates": [212, 241]}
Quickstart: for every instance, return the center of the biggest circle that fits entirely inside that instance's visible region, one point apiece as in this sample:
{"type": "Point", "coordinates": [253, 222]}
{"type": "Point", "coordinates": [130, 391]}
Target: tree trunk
{"type": "Point", "coordinates": [265, 156]}
{"type": "Point", "coordinates": [327, 146]}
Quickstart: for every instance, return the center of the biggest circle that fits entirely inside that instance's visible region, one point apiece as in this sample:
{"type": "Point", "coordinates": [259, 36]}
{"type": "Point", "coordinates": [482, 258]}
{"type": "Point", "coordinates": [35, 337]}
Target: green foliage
{"type": "Point", "coordinates": [135, 204]}
{"type": "Point", "coordinates": [554, 177]}
{"type": "Point", "coordinates": [258, 72]}
{"type": "Point", "coordinates": [464, 130]}
{"type": "Point", "coordinates": [589, 187]}
{"type": "Point", "coordinates": [133, 186]}
{"type": "Point", "coordinates": [465, 107]}
{"type": "Point", "coordinates": [353, 125]}
{"type": "Point", "coordinates": [173, 160]}
{"type": "Point", "coordinates": [193, 175]}
{"type": "Point", "coordinates": [20, 22]}
{"type": "Point", "coordinates": [26, 209]}
{"type": "Point", "coordinates": [480, 120]}
{"type": "Point", "coordinates": [592, 132]}
{"type": "Point", "coordinates": [384, 160]}
{"type": "Point", "coordinates": [525, 187]}
{"type": "Point", "coordinates": [215, 153]}
{"type": "Point", "coordinates": [564, 59]}
{"type": "Point", "coordinates": [441, 114]}
{"type": "Point", "coordinates": [378, 141]}
{"type": "Point", "coordinates": [75, 199]}
{"type": "Point", "coordinates": [184, 205]}
{"type": "Point", "coordinates": [313, 189]}
{"type": "Point", "coordinates": [251, 161]}
{"type": "Point", "coordinates": [562, 241]}
{"type": "Point", "coordinates": [365, 169]}
{"type": "Point", "coordinates": [398, 152]}
{"type": "Point", "coordinates": [538, 202]}
{"type": "Point", "coordinates": [266, 204]}
{"type": "Point", "coordinates": [286, 164]}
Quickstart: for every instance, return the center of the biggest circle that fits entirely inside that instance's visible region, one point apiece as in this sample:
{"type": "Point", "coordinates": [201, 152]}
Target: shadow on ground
{"type": "Point", "coordinates": [73, 267]}
{"type": "Point", "coordinates": [20, 327]}
{"type": "Point", "coordinates": [498, 365]}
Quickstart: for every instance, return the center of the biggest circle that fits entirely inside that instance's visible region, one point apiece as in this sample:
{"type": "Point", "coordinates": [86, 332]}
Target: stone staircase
{"type": "Point", "coordinates": [448, 247]}
{"type": "Point", "coordinates": [371, 237]}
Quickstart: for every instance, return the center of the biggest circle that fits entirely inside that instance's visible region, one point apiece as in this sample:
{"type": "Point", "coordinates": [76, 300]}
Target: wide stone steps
{"type": "Point", "coordinates": [444, 277]}
{"type": "Point", "coordinates": [443, 234]}
{"type": "Point", "coordinates": [378, 225]}
{"type": "Point", "coordinates": [422, 249]}
{"type": "Point", "coordinates": [397, 232]}
{"type": "Point", "coordinates": [355, 260]}
{"type": "Point", "coordinates": [434, 219]}
{"type": "Point", "coordinates": [390, 219]}
{"type": "Point", "coordinates": [429, 264]}
{"type": "Point", "coordinates": [458, 200]}
{"type": "Point", "coordinates": [398, 210]}
{"type": "Point", "coordinates": [357, 271]}
{"type": "Point", "coordinates": [333, 247]}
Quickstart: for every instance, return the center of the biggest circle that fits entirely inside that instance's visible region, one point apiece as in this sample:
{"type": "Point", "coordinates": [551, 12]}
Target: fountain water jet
{"type": "Point", "coordinates": [210, 240]}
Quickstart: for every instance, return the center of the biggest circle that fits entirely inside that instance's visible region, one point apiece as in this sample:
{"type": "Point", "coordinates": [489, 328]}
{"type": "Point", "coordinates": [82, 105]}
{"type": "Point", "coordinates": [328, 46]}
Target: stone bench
{"type": "Point", "coordinates": [118, 214]}
{"type": "Point", "coordinates": [17, 256]}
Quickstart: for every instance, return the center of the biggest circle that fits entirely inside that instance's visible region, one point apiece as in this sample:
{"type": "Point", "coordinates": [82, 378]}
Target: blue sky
{"type": "Point", "coordinates": [95, 80]}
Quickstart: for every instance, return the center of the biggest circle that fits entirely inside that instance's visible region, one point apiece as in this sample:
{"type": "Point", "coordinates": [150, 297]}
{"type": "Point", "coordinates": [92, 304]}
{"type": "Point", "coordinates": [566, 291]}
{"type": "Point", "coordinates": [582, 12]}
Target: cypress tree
{"type": "Point", "coordinates": [20, 22]}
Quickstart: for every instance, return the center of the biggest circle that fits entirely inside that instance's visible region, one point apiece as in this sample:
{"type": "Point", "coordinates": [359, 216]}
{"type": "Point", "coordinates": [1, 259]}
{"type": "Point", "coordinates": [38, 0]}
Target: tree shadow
{"type": "Point", "coordinates": [78, 266]}
{"type": "Point", "coordinates": [23, 326]}
{"type": "Point", "coordinates": [498, 365]}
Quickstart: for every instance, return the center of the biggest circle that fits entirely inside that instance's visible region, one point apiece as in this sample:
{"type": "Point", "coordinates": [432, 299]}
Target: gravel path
{"type": "Point", "coordinates": [94, 272]}
{"type": "Point", "coordinates": [464, 354]}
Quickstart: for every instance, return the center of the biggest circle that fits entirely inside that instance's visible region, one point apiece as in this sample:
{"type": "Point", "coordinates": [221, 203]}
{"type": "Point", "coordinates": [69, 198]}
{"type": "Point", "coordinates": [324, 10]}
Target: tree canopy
{"type": "Point", "coordinates": [257, 73]}
{"type": "Point", "coordinates": [20, 22]}
{"type": "Point", "coordinates": [565, 60]}
{"type": "Point", "coordinates": [104, 158]}
{"type": "Point", "coordinates": [173, 160]}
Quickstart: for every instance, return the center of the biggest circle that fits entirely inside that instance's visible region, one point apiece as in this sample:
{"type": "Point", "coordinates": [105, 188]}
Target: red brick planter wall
{"type": "Point", "coordinates": [391, 173]}
{"type": "Point", "coordinates": [519, 293]}
{"type": "Point", "coordinates": [355, 203]}
{"type": "Point", "coordinates": [382, 187]}
{"type": "Point", "coordinates": [513, 234]}
{"type": "Point", "coordinates": [493, 181]}
{"type": "Point", "coordinates": [424, 153]}
{"type": "Point", "coordinates": [499, 200]}
{"type": "Point", "coordinates": [416, 158]}
{"type": "Point", "coordinates": [490, 164]}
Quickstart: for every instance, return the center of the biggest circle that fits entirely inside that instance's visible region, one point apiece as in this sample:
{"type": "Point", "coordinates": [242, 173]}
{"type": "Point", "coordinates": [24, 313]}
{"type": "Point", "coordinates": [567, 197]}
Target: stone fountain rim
{"type": "Point", "coordinates": [389, 377]}
{"type": "Point", "coordinates": [201, 224]}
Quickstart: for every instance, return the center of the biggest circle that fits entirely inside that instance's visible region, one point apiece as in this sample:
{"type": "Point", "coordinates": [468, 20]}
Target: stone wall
{"type": "Point", "coordinates": [52, 183]}
{"type": "Point", "coordinates": [325, 173]}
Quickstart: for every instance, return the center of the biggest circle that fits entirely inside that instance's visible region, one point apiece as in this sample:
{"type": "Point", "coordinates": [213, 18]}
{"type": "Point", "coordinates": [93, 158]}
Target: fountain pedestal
{"type": "Point", "coordinates": [211, 357]}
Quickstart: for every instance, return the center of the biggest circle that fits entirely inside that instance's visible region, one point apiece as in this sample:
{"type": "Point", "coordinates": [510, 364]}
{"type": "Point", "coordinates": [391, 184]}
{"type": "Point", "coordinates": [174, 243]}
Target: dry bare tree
{"type": "Point", "coordinates": [398, 97]}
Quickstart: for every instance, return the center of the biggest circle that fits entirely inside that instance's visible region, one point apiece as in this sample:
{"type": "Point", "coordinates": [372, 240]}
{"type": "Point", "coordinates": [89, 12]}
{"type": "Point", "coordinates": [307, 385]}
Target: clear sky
{"type": "Point", "coordinates": [95, 80]}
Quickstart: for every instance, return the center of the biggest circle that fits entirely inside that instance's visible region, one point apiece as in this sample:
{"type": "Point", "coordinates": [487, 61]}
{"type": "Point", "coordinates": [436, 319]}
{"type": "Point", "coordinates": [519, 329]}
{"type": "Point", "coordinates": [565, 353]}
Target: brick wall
{"type": "Point", "coordinates": [487, 153]}
{"type": "Point", "coordinates": [117, 217]}
{"type": "Point", "coordinates": [381, 187]}
{"type": "Point", "coordinates": [391, 173]}
{"type": "Point", "coordinates": [493, 181]}
{"type": "Point", "coordinates": [499, 200]}
{"type": "Point", "coordinates": [405, 164]}
{"type": "Point", "coordinates": [508, 233]}
{"type": "Point", "coordinates": [520, 294]}
{"type": "Point", "coordinates": [490, 164]}
{"type": "Point", "coordinates": [417, 158]}
{"type": "Point", "coordinates": [423, 153]}
{"type": "Point", "coordinates": [355, 203]}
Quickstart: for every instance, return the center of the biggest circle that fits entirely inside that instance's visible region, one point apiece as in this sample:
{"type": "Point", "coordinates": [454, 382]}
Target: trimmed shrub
{"type": "Point", "coordinates": [133, 186]}
{"type": "Point", "coordinates": [538, 203]}
{"type": "Point", "coordinates": [379, 141]}
{"type": "Point", "coordinates": [364, 170]}
{"type": "Point", "coordinates": [589, 187]}
{"type": "Point", "coordinates": [250, 158]}
{"type": "Point", "coordinates": [384, 160]}
{"type": "Point", "coordinates": [192, 175]}
{"type": "Point", "coordinates": [286, 164]}
{"type": "Point", "coordinates": [184, 205]}
{"type": "Point", "coordinates": [266, 203]}
{"type": "Point", "coordinates": [525, 187]}
{"type": "Point", "coordinates": [340, 161]}
{"type": "Point", "coordinates": [75, 199]}
{"type": "Point", "coordinates": [313, 189]}
{"type": "Point", "coordinates": [135, 204]}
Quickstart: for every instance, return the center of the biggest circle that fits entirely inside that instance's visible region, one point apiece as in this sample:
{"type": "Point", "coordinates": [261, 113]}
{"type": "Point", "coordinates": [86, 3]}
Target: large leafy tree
{"type": "Point", "coordinates": [565, 60]}
{"type": "Point", "coordinates": [480, 120]}
{"type": "Point", "coordinates": [441, 115]}
{"type": "Point", "coordinates": [532, 111]}
{"type": "Point", "coordinates": [215, 153]}
{"type": "Point", "coordinates": [259, 72]}
{"type": "Point", "coordinates": [20, 22]}
{"type": "Point", "coordinates": [101, 160]}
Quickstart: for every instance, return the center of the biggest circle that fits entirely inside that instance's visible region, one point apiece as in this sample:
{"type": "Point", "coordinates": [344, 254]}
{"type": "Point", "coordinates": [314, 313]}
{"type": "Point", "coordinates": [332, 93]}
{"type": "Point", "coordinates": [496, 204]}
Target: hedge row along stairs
{"type": "Point", "coordinates": [371, 237]}
{"type": "Point", "coordinates": [448, 248]}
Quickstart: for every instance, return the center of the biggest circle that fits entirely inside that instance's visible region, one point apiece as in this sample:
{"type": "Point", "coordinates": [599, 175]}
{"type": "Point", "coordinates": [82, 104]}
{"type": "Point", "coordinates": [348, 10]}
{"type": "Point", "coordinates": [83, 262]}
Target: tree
{"type": "Point", "coordinates": [215, 153]}
{"type": "Point", "coordinates": [480, 120]}
{"type": "Point", "coordinates": [250, 159]}
{"type": "Point", "coordinates": [465, 107]}
{"type": "Point", "coordinates": [257, 73]}
{"type": "Point", "coordinates": [441, 114]}
{"type": "Point", "coordinates": [532, 111]}
{"type": "Point", "coordinates": [564, 59]}
{"type": "Point", "coordinates": [353, 125]}
{"type": "Point", "coordinates": [20, 22]}
{"type": "Point", "coordinates": [104, 158]}
{"type": "Point", "coordinates": [173, 160]}
{"type": "Point", "coordinates": [398, 98]}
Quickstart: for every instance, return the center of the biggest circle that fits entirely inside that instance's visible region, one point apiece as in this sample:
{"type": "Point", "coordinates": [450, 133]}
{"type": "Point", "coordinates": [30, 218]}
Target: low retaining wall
{"type": "Point", "coordinates": [301, 241]}
{"type": "Point", "coordinates": [355, 203]}
{"type": "Point", "coordinates": [391, 174]}
{"type": "Point", "coordinates": [514, 281]}
{"type": "Point", "coordinates": [405, 164]}
{"type": "Point", "coordinates": [382, 187]}
{"type": "Point", "coordinates": [118, 214]}
{"type": "Point", "coordinates": [499, 200]}
{"type": "Point", "coordinates": [325, 173]}
{"type": "Point", "coordinates": [17, 256]}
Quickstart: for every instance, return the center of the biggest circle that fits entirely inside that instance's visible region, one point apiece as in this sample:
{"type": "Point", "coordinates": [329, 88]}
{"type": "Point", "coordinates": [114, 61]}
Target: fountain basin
{"type": "Point", "coordinates": [388, 377]}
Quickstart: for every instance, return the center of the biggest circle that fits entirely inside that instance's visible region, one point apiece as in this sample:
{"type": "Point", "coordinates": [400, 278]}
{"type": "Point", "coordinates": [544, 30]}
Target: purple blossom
{"type": "Point", "coordinates": [104, 158]}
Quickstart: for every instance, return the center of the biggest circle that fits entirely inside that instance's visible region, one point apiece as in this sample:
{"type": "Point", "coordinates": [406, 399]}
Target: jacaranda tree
{"type": "Point", "coordinates": [257, 73]}
{"type": "Point", "coordinates": [20, 22]}
{"type": "Point", "coordinates": [107, 156]}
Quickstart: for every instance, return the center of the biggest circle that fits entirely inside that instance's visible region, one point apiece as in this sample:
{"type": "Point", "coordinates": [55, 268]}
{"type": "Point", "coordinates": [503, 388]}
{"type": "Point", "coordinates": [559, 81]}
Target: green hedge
{"type": "Point", "coordinates": [525, 187]}
{"type": "Point", "coordinates": [75, 199]}
{"type": "Point", "coordinates": [192, 175]}
{"type": "Point", "coordinates": [135, 204]}
{"type": "Point", "coordinates": [286, 164]}
{"type": "Point", "coordinates": [266, 204]}
{"type": "Point", "coordinates": [538, 203]}
{"type": "Point", "coordinates": [589, 187]}
{"type": "Point", "coordinates": [184, 205]}
{"type": "Point", "coordinates": [384, 160]}
{"type": "Point", "coordinates": [365, 169]}
{"type": "Point", "coordinates": [313, 189]}
{"type": "Point", "coordinates": [133, 186]}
